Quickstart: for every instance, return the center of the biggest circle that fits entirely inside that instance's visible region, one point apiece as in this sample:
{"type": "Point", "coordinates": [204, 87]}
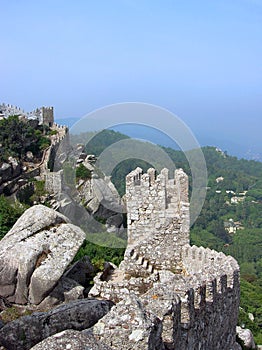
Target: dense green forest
{"type": "Point", "coordinates": [230, 220]}
{"type": "Point", "coordinates": [18, 137]}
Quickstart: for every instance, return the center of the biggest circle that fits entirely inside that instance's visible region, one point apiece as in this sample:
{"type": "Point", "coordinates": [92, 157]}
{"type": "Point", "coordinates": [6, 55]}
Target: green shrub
{"type": "Point", "coordinates": [83, 173]}
{"type": "Point", "coordinates": [99, 254]}
{"type": "Point", "coordinates": [9, 213]}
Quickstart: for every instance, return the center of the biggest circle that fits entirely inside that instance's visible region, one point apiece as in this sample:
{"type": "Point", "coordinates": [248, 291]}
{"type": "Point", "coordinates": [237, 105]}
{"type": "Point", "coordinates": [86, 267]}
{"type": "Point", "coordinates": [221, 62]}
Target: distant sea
{"type": "Point", "coordinates": [159, 138]}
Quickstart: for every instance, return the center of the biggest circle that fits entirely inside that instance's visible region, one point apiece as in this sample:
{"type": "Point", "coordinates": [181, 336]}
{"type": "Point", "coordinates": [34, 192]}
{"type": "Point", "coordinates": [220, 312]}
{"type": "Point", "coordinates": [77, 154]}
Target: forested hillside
{"type": "Point", "coordinates": [230, 220]}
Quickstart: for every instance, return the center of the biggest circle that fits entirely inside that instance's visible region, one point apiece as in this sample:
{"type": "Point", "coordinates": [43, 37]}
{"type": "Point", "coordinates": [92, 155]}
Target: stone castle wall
{"type": "Point", "coordinates": [44, 115]}
{"type": "Point", "coordinates": [7, 109]}
{"type": "Point", "coordinates": [51, 169]}
{"type": "Point", "coordinates": [168, 294]}
{"type": "Point", "coordinates": [197, 309]}
{"type": "Point", "coordinates": [157, 216]}
{"type": "Point", "coordinates": [186, 318]}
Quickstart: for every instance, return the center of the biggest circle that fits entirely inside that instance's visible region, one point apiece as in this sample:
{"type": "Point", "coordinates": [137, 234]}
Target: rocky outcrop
{"type": "Point", "coordinates": [27, 331]}
{"type": "Point", "coordinates": [5, 172]}
{"type": "Point", "coordinates": [96, 194]}
{"type": "Point", "coordinates": [9, 170]}
{"type": "Point", "coordinates": [35, 253]}
{"type": "Point", "coordinates": [81, 271]}
{"type": "Point", "coordinates": [100, 196]}
{"type": "Point", "coordinates": [130, 326]}
{"type": "Point", "coordinates": [247, 337]}
{"type": "Point", "coordinates": [66, 290]}
{"type": "Point", "coordinates": [16, 166]}
{"type": "Point", "coordinates": [70, 339]}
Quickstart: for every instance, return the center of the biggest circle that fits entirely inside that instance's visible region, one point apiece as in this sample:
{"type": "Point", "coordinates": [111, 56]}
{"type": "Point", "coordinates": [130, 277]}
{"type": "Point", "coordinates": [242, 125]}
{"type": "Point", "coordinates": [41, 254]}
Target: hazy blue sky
{"type": "Point", "coordinates": [200, 59]}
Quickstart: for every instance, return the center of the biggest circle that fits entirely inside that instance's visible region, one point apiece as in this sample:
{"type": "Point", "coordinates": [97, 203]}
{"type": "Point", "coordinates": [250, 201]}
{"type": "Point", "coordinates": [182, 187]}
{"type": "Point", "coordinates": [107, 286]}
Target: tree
{"type": "Point", "coordinates": [17, 137]}
{"type": "Point", "coordinates": [9, 213]}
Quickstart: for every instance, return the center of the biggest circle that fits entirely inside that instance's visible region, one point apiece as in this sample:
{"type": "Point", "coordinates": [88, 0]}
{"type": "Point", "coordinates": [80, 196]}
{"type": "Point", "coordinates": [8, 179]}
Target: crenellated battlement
{"type": "Point", "coordinates": [174, 190]}
{"type": "Point", "coordinates": [194, 291]}
{"type": "Point", "coordinates": [7, 110]}
{"type": "Point", "coordinates": [207, 263]}
{"type": "Point", "coordinates": [192, 309]}
{"type": "Point", "coordinates": [44, 115]}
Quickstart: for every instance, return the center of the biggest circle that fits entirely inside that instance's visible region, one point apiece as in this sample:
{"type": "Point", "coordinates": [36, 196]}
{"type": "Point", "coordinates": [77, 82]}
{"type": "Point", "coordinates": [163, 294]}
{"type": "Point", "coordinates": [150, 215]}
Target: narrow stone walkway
{"type": "Point", "coordinates": [117, 276]}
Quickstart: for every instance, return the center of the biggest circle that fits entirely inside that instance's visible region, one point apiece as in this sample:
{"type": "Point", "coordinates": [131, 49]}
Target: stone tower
{"type": "Point", "coordinates": [168, 294]}
{"type": "Point", "coordinates": [157, 216]}
{"type": "Point", "coordinates": [46, 116]}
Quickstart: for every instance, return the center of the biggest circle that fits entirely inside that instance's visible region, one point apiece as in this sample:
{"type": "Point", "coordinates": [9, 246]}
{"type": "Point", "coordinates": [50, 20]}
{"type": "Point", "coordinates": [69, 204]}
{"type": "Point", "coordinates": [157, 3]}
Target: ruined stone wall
{"type": "Point", "coordinates": [54, 157]}
{"type": "Point", "coordinates": [157, 216]}
{"type": "Point", "coordinates": [191, 312]}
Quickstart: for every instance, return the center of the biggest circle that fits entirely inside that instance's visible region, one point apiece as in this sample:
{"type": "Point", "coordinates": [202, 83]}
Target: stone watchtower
{"type": "Point", "coordinates": [157, 217]}
{"type": "Point", "coordinates": [46, 116]}
{"type": "Point", "coordinates": [168, 294]}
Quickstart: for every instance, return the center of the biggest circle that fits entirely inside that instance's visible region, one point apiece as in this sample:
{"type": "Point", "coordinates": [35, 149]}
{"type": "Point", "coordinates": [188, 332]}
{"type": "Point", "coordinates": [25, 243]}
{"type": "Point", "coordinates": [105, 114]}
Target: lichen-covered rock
{"type": "Point", "coordinates": [247, 337]}
{"type": "Point", "coordinates": [5, 172]}
{"type": "Point", "coordinates": [102, 200]}
{"type": "Point", "coordinates": [130, 326]}
{"type": "Point", "coordinates": [71, 340]}
{"type": "Point", "coordinates": [66, 290]}
{"type": "Point", "coordinates": [10, 170]}
{"type": "Point", "coordinates": [81, 271]}
{"type": "Point", "coordinates": [35, 253]}
{"type": "Point", "coordinates": [27, 331]}
{"type": "Point", "coordinates": [16, 166]}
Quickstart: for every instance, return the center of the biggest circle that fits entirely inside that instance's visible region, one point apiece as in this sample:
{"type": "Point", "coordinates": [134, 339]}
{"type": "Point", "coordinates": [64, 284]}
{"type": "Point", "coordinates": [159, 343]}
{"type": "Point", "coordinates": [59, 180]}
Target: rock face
{"type": "Point", "coordinates": [10, 170]}
{"type": "Point", "coordinates": [247, 337]}
{"type": "Point", "coordinates": [97, 192]}
{"type": "Point", "coordinates": [27, 331]}
{"type": "Point", "coordinates": [5, 172]}
{"type": "Point", "coordinates": [81, 271]}
{"type": "Point", "coordinates": [70, 339]}
{"type": "Point", "coordinates": [130, 326]}
{"type": "Point", "coordinates": [101, 197]}
{"type": "Point", "coordinates": [35, 253]}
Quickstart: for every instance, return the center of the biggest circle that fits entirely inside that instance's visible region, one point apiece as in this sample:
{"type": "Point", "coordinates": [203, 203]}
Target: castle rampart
{"type": "Point", "coordinates": [50, 170]}
{"type": "Point", "coordinates": [193, 291]}
{"type": "Point", "coordinates": [44, 115]}
{"type": "Point", "coordinates": [7, 109]}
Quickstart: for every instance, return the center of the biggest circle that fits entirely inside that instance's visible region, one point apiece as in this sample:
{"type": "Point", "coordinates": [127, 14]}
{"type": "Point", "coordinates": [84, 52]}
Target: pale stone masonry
{"type": "Point", "coordinates": [44, 115]}
{"type": "Point", "coordinates": [158, 216]}
{"type": "Point", "coordinates": [168, 294]}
